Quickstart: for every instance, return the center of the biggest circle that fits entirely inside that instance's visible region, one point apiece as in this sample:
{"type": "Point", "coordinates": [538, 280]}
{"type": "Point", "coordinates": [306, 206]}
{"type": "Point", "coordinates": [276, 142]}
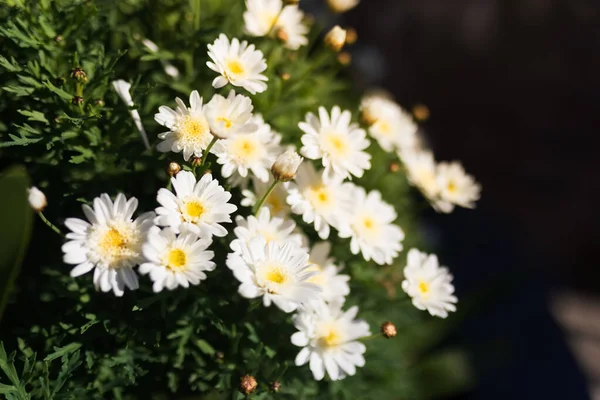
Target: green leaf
{"type": "Point", "coordinates": [10, 66]}
{"type": "Point", "coordinates": [18, 141]}
{"type": "Point", "coordinates": [34, 116]}
{"type": "Point", "coordinates": [61, 351]}
{"type": "Point", "coordinates": [64, 95]}
{"type": "Point", "coordinates": [15, 230]}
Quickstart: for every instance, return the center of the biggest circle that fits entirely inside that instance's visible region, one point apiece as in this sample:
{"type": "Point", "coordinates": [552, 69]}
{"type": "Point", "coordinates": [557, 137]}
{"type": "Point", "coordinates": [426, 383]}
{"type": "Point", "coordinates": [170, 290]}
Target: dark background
{"type": "Point", "coordinates": [513, 89]}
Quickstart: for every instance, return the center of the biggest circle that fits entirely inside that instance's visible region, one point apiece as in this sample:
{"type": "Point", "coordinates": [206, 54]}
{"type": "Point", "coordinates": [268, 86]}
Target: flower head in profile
{"type": "Point", "coordinates": [173, 261]}
{"type": "Point", "coordinates": [421, 171]}
{"type": "Point", "coordinates": [456, 187]}
{"type": "Point", "coordinates": [199, 207]}
{"type": "Point", "coordinates": [335, 38]}
{"type": "Point", "coordinates": [229, 116]}
{"type": "Point", "coordinates": [429, 285]}
{"type": "Point", "coordinates": [335, 286]}
{"type": "Point", "coordinates": [263, 17]}
{"type": "Point", "coordinates": [276, 272]}
{"type": "Point", "coordinates": [122, 88]}
{"type": "Point", "coordinates": [321, 203]}
{"type": "Point", "coordinates": [238, 63]}
{"type": "Point", "coordinates": [189, 131]}
{"type": "Point", "coordinates": [37, 199]}
{"type": "Point", "coordinates": [272, 229]}
{"type": "Point", "coordinates": [275, 202]}
{"type": "Point", "coordinates": [329, 338]}
{"type": "Point", "coordinates": [285, 167]}
{"type": "Point", "coordinates": [338, 142]}
{"type": "Point", "coordinates": [254, 152]}
{"type": "Point", "coordinates": [109, 242]}
{"type": "Point", "coordinates": [371, 227]}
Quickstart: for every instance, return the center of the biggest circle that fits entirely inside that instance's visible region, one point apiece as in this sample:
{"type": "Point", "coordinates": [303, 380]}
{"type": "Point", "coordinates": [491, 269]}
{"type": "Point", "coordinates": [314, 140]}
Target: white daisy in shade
{"type": "Point", "coordinates": [338, 142]}
{"type": "Point", "coordinates": [275, 201]}
{"type": "Point", "coordinates": [456, 186]}
{"type": "Point", "coordinates": [189, 130]}
{"type": "Point", "coordinates": [272, 229]}
{"type": "Point", "coordinates": [335, 286]}
{"type": "Point", "coordinates": [421, 172]}
{"type": "Point", "coordinates": [200, 207]}
{"type": "Point", "coordinates": [392, 127]}
{"type": "Point", "coordinates": [237, 63]}
{"type": "Point", "coordinates": [429, 285]}
{"type": "Point", "coordinates": [263, 17]}
{"type": "Point", "coordinates": [329, 340]}
{"type": "Point", "coordinates": [371, 227]}
{"type": "Point", "coordinates": [324, 204]}
{"type": "Point", "coordinates": [277, 273]}
{"type": "Point", "coordinates": [173, 261]}
{"type": "Point", "coordinates": [110, 243]}
{"type": "Point", "coordinates": [229, 116]}
{"type": "Point", "coordinates": [255, 152]}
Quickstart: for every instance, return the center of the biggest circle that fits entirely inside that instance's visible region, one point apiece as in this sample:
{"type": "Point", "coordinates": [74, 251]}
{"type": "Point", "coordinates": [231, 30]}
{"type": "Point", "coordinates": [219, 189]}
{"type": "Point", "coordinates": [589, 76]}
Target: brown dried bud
{"type": "Point", "coordinates": [219, 355]}
{"type": "Point", "coordinates": [275, 386]}
{"type": "Point", "coordinates": [282, 35]}
{"type": "Point", "coordinates": [351, 36]}
{"type": "Point", "coordinates": [394, 166]}
{"type": "Point", "coordinates": [173, 168]}
{"type": "Point", "coordinates": [77, 100]}
{"type": "Point", "coordinates": [285, 76]}
{"type": "Point", "coordinates": [196, 161]}
{"type": "Point", "coordinates": [79, 75]}
{"type": "Point", "coordinates": [335, 38]}
{"type": "Point", "coordinates": [421, 112]}
{"type": "Point", "coordinates": [58, 39]}
{"type": "Point", "coordinates": [248, 384]}
{"type": "Point", "coordinates": [344, 58]}
{"type": "Point", "coordinates": [388, 330]}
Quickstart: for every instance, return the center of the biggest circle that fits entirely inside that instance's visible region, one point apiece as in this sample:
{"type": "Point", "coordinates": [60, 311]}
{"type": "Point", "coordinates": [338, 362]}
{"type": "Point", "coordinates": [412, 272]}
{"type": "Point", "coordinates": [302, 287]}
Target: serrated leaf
{"type": "Point", "coordinates": [10, 66]}
{"type": "Point", "coordinates": [63, 95]}
{"type": "Point", "coordinates": [61, 351]}
{"type": "Point", "coordinates": [34, 116]}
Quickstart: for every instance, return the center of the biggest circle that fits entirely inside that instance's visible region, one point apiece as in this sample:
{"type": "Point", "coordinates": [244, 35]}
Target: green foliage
{"type": "Point", "coordinates": [187, 344]}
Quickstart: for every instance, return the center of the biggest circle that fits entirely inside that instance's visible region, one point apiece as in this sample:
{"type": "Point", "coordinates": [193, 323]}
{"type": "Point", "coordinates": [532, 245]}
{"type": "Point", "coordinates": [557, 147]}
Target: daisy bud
{"type": "Point", "coordinates": [285, 167]}
{"type": "Point", "coordinates": [388, 330]}
{"type": "Point", "coordinates": [285, 76]}
{"type": "Point", "coordinates": [291, 2]}
{"type": "Point", "coordinates": [77, 100]}
{"type": "Point", "coordinates": [79, 75]}
{"type": "Point", "coordinates": [275, 386]}
{"type": "Point", "coordinates": [173, 168]}
{"type": "Point", "coordinates": [340, 6]}
{"type": "Point", "coordinates": [344, 58]}
{"type": "Point", "coordinates": [248, 384]}
{"type": "Point", "coordinates": [335, 38]}
{"type": "Point", "coordinates": [394, 166]}
{"type": "Point", "coordinates": [99, 103]}
{"type": "Point", "coordinates": [351, 36]}
{"type": "Point", "coordinates": [37, 199]}
{"type": "Point", "coordinates": [196, 161]}
{"type": "Point", "coordinates": [421, 112]}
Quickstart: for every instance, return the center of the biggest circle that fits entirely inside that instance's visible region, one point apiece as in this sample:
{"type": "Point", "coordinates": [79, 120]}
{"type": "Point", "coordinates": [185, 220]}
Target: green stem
{"type": "Point", "coordinates": [50, 224]}
{"type": "Point", "coordinates": [197, 14]}
{"type": "Point", "coordinates": [267, 193]}
{"type": "Point", "coordinates": [210, 145]}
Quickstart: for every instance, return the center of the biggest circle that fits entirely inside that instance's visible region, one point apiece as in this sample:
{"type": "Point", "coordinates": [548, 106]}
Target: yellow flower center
{"type": "Point", "coordinates": [244, 148]}
{"type": "Point", "coordinates": [335, 144]}
{"type": "Point", "coordinates": [451, 187]}
{"type": "Point", "coordinates": [384, 127]}
{"type": "Point", "coordinates": [276, 276]}
{"type": "Point", "coordinates": [112, 242]}
{"type": "Point", "coordinates": [331, 338]}
{"type": "Point", "coordinates": [369, 223]}
{"type": "Point", "coordinates": [193, 130]}
{"type": "Point", "coordinates": [318, 279]}
{"type": "Point", "coordinates": [276, 204]}
{"type": "Point", "coordinates": [176, 260]}
{"type": "Point", "coordinates": [235, 67]}
{"type": "Point", "coordinates": [320, 196]}
{"type": "Point", "coordinates": [194, 209]}
{"type": "Point", "coordinates": [226, 121]}
{"type": "Point", "coordinates": [423, 287]}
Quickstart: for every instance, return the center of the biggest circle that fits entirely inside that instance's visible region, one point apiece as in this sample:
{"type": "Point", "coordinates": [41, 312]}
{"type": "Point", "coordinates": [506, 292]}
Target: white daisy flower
{"type": "Point", "coordinates": [276, 201]}
{"type": "Point", "coordinates": [392, 127]}
{"type": "Point", "coordinates": [335, 287]}
{"type": "Point", "coordinates": [173, 261]}
{"type": "Point", "coordinates": [429, 285]}
{"type": "Point", "coordinates": [272, 229]}
{"type": "Point", "coordinates": [189, 130]}
{"type": "Point", "coordinates": [110, 243]}
{"type": "Point", "coordinates": [324, 204]}
{"type": "Point", "coordinates": [255, 152]}
{"type": "Point", "coordinates": [421, 172]}
{"type": "Point", "coordinates": [337, 141]}
{"type": "Point", "coordinates": [229, 116]}
{"type": "Point", "coordinates": [329, 340]}
{"type": "Point", "coordinates": [37, 199]}
{"type": "Point", "coordinates": [122, 88]}
{"type": "Point", "coordinates": [238, 63]}
{"type": "Point", "coordinates": [277, 273]}
{"type": "Point", "coordinates": [200, 207]}
{"type": "Point", "coordinates": [263, 17]}
{"type": "Point", "coordinates": [371, 227]}
{"type": "Point", "coordinates": [456, 186]}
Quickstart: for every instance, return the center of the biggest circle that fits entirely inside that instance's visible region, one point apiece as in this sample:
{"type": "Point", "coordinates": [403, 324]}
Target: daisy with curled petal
{"type": "Point", "coordinates": [456, 186]}
{"type": "Point", "coordinates": [229, 116]}
{"type": "Point", "coordinates": [173, 261]}
{"type": "Point", "coordinates": [324, 204]}
{"type": "Point", "coordinates": [254, 152]}
{"type": "Point", "coordinates": [110, 243]}
{"type": "Point", "coordinates": [421, 171]}
{"type": "Point", "coordinates": [272, 229]}
{"type": "Point", "coordinates": [335, 286]}
{"type": "Point", "coordinates": [338, 142]}
{"type": "Point", "coordinates": [189, 130]}
{"type": "Point", "coordinates": [263, 17]}
{"type": "Point", "coordinates": [200, 207]}
{"type": "Point", "coordinates": [277, 273]}
{"type": "Point", "coordinates": [275, 201]}
{"type": "Point", "coordinates": [371, 227]}
{"type": "Point", "coordinates": [237, 63]}
{"type": "Point", "coordinates": [329, 340]}
{"type": "Point", "coordinates": [429, 285]}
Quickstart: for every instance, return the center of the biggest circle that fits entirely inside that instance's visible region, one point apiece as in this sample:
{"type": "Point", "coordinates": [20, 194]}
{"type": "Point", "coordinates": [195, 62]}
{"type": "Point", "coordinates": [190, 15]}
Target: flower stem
{"type": "Point", "coordinates": [267, 194]}
{"type": "Point", "coordinates": [50, 224]}
{"type": "Point", "coordinates": [275, 21]}
{"type": "Point", "coordinates": [210, 145]}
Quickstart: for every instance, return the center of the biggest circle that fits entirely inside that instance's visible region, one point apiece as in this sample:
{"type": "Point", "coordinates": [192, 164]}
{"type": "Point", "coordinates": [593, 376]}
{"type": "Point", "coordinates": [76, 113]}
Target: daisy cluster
{"type": "Point", "coordinates": [270, 255]}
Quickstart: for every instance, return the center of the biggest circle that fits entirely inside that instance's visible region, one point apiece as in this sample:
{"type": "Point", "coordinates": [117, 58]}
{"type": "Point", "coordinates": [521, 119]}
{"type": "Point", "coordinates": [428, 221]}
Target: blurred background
{"type": "Point", "coordinates": [512, 87]}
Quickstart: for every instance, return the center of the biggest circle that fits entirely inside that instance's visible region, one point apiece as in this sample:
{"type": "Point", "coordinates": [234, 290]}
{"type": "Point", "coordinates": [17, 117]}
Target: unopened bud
{"type": "Point", "coordinates": [285, 167]}
{"type": "Point", "coordinates": [36, 199]}
{"type": "Point", "coordinates": [99, 103]}
{"type": "Point", "coordinates": [173, 168]}
{"type": "Point", "coordinates": [282, 35]}
{"type": "Point", "coordinates": [247, 384]}
{"type": "Point", "coordinates": [388, 330]}
{"type": "Point", "coordinates": [340, 6]}
{"type": "Point", "coordinates": [335, 38]}
{"type": "Point", "coordinates": [275, 386]}
{"type": "Point", "coordinates": [196, 161]}
{"type": "Point", "coordinates": [421, 112]}
{"type": "Point", "coordinates": [79, 75]}
{"type": "Point", "coordinates": [58, 39]}
{"type": "Point", "coordinates": [219, 355]}
{"type": "Point", "coordinates": [77, 100]}
{"type": "Point", "coordinates": [285, 76]}
{"type": "Point", "coordinates": [344, 58]}
{"type": "Point", "coordinates": [351, 36]}
{"type": "Point", "coordinates": [394, 166]}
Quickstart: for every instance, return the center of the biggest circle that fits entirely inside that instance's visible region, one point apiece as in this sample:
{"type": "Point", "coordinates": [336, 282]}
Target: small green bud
{"type": "Point", "coordinates": [99, 103]}
{"type": "Point", "coordinates": [275, 386]}
{"type": "Point", "coordinates": [79, 75]}
{"type": "Point", "coordinates": [77, 100]}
